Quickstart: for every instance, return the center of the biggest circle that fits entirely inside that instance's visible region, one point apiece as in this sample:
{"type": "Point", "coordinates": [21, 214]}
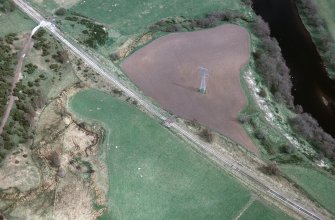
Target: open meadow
{"type": "Point", "coordinates": [15, 22]}
{"type": "Point", "coordinates": [152, 173]}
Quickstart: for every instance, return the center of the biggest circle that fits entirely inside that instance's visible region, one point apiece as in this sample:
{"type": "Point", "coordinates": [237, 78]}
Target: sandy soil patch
{"type": "Point", "coordinates": [167, 71]}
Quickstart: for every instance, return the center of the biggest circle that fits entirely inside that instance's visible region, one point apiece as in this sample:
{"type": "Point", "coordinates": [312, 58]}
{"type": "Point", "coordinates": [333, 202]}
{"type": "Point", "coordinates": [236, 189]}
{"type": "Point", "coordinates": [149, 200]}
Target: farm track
{"type": "Point", "coordinates": [249, 177]}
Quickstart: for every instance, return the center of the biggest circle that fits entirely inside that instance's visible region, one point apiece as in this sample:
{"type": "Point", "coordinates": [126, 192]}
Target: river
{"type": "Point", "coordinates": [312, 89]}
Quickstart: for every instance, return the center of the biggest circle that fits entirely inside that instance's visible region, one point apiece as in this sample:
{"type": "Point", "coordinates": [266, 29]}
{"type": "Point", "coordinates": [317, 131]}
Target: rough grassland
{"type": "Point", "coordinates": [260, 211]}
{"type": "Point", "coordinates": [327, 10]}
{"type": "Point", "coordinates": [152, 173]}
{"type": "Point", "coordinates": [318, 185]}
{"type": "Point", "coordinates": [129, 17]}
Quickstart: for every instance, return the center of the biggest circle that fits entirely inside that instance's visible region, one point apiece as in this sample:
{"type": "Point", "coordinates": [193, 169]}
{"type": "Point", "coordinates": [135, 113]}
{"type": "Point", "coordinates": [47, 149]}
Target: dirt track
{"type": "Point", "coordinates": [167, 71]}
{"type": "Point", "coordinates": [16, 79]}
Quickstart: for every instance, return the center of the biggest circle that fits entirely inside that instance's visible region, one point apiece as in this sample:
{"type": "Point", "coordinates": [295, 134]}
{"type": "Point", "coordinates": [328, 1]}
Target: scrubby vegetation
{"type": "Point", "coordinates": [320, 33]}
{"type": "Point", "coordinates": [94, 34]}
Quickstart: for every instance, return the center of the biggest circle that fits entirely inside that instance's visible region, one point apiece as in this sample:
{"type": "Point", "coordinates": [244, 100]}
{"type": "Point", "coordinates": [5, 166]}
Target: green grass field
{"type": "Point", "coordinates": [15, 22]}
{"type": "Point", "coordinates": [131, 16]}
{"type": "Point", "coordinates": [318, 185]}
{"type": "Point", "coordinates": [327, 10]}
{"type": "Point", "coordinates": [259, 211]}
{"type": "Point", "coordinates": [152, 173]}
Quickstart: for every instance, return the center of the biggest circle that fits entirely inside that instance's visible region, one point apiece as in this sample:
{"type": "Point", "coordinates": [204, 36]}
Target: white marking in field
{"type": "Point", "coordinates": [98, 108]}
{"type": "Point", "coordinates": [139, 168]}
{"type": "Point", "coordinates": [242, 211]}
{"type": "Point", "coordinates": [116, 146]}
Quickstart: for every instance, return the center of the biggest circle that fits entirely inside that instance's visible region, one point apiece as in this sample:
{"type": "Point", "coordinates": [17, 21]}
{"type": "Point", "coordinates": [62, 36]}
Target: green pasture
{"type": "Point", "coordinates": [15, 22]}
{"type": "Point", "coordinates": [260, 211]}
{"type": "Point", "coordinates": [131, 16]}
{"type": "Point", "coordinates": [152, 173]}
{"type": "Point", "coordinates": [318, 185]}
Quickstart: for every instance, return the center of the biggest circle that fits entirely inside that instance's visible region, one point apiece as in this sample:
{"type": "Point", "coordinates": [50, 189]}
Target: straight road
{"type": "Point", "coordinates": [227, 161]}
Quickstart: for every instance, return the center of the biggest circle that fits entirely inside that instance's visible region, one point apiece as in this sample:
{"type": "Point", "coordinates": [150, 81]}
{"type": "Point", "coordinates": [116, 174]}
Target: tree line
{"type": "Point", "coordinates": [276, 75]}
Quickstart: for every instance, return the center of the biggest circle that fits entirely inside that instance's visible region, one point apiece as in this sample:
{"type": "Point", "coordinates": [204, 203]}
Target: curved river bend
{"type": "Point", "coordinates": [312, 89]}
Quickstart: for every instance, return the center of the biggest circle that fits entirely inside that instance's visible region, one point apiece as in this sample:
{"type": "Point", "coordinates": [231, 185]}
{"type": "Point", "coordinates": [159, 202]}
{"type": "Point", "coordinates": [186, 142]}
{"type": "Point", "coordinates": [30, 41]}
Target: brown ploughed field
{"type": "Point", "coordinates": [167, 70]}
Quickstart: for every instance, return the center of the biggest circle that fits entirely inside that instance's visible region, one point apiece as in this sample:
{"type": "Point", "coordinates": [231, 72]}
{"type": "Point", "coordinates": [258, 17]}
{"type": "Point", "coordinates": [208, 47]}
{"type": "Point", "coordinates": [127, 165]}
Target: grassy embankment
{"type": "Point", "coordinates": [152, 173]}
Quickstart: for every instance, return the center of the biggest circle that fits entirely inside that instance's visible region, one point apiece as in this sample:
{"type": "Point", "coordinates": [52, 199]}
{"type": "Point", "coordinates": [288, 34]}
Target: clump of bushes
{"type": "Point", "coordinates": [271, 169]}
{"type": "Point", "coordinates": [114, 56]}
{"type": "Point", "coordinates": [207, 135]}
{"type": "Point", "coordinates": [194, 123]}
{"type": "Point", "coordinates": [95, 33]}
{"type": "Point", "coordinates": [41, 43]}
{"type": "Point", "coordinates": [117, 92]}
{"type": "Point", "coordinates": [54, 159]}
{"type": "Point", "coordinates": [60, 56]}
{"type": "Point", "coordinates": [30, 68]}
{"type": "Point", "coordinates": [60, 12]}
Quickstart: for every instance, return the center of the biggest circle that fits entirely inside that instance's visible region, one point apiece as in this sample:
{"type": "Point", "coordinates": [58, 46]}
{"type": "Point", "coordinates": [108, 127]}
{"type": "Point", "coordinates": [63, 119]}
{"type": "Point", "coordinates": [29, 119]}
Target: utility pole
{"type": "Point", "coordinates": [204, 75]}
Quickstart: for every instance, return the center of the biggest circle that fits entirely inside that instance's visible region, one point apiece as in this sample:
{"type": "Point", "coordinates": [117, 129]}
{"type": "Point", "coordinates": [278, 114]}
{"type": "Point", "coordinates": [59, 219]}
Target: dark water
{"type": "Point", "coordinates": [312, 89]}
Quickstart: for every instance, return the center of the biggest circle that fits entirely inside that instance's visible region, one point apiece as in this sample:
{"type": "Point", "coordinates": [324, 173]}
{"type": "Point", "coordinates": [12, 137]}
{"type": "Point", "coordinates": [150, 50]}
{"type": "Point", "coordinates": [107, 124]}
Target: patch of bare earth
{"type": "Point", "coordinates": [168, 71]}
